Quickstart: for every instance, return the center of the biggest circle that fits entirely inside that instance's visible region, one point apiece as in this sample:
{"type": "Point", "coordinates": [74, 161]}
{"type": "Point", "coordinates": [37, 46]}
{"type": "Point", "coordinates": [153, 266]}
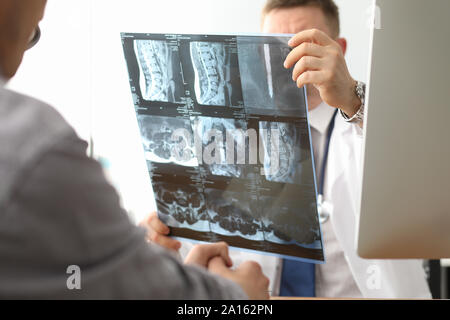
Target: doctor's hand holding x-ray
{"type": "Point", "coordinates": [319, 60]}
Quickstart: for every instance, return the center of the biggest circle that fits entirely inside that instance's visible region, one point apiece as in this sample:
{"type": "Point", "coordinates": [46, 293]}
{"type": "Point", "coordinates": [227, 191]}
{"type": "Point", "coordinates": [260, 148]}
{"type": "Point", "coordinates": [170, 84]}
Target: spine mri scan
{"type": "Point", "coordinates": [226, 140]}
{"type": "Point", "coordinates": [155, 60]}
{"type": "Point", "coordinates": [210, 66]}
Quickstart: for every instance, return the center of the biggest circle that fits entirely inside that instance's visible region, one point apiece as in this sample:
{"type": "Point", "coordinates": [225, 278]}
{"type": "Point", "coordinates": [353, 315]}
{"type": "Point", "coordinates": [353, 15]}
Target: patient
{"type": "Point", "coordinates": [57, 210]}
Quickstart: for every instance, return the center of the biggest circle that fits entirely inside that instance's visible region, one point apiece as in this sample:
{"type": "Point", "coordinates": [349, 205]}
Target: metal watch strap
{"type": "Point", "coordinates": [358, 117]}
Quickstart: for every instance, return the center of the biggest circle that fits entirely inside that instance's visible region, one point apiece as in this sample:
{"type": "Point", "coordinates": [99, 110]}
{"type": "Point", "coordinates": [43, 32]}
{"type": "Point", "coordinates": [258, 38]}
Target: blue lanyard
{"type": "Point", "coordinates": [323, 167]}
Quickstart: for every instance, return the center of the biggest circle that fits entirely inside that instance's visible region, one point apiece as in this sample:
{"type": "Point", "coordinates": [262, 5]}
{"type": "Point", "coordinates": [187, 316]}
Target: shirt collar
{"type": "Point", "coordinates": [320, 117]}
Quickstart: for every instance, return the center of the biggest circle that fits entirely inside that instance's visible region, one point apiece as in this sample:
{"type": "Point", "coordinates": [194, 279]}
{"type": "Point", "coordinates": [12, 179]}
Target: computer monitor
{"type": "Point", "coordinates": [405, 199]}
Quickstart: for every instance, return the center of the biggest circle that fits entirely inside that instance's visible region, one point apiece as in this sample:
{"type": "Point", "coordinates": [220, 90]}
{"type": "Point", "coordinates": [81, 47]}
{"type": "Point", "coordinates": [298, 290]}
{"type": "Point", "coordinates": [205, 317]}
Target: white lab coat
{"type": "Point", "coordinates": [375, 278]}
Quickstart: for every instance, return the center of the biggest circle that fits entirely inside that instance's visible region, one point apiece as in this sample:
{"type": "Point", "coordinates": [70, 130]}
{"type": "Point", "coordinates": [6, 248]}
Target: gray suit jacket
{"type": "Point", "coordinates": [57, 210]}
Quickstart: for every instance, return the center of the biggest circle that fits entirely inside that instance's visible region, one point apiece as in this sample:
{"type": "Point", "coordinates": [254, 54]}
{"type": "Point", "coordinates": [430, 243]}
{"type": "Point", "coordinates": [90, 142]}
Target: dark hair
{"type": "Point", "coordinates": [329, 8]}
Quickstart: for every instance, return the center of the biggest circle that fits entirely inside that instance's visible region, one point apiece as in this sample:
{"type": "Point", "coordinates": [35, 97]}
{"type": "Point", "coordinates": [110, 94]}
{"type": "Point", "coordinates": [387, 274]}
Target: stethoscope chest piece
{"type": "Point", "coordinates": [323, 210]}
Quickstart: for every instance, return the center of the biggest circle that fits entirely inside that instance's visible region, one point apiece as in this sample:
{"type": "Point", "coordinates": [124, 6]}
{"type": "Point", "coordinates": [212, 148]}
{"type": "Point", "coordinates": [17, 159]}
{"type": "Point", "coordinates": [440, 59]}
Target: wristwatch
{"type": "Point", "coordinates": [358, 117]}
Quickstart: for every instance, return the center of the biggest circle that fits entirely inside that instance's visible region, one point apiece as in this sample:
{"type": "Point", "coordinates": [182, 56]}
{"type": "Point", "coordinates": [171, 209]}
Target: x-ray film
{"type": "Point", "coordinates": [226, 140]}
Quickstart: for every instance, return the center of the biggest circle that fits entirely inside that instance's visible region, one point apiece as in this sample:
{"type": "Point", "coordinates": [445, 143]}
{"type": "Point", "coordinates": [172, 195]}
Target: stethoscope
{"type": "Point", "coordinates": [323, 211]}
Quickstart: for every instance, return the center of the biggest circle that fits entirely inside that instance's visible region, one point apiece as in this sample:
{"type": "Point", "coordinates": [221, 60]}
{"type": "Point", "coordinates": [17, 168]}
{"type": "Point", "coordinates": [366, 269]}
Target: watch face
{"type": "Point", "coordinates": [361, 93]}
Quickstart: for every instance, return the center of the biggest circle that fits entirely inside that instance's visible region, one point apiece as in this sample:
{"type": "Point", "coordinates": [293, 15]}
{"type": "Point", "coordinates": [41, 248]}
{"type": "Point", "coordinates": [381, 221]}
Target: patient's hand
{"type": "Point", "coordinates": [248, 275]}
{"type": "Point", "coordinates": [202, 254]}
{"type": "Point", "coordinates": [157, 232]}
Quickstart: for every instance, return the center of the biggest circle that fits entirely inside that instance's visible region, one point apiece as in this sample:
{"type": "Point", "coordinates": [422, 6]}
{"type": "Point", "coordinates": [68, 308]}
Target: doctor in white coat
{"type": "Point", "coordinates": [318, 62]}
